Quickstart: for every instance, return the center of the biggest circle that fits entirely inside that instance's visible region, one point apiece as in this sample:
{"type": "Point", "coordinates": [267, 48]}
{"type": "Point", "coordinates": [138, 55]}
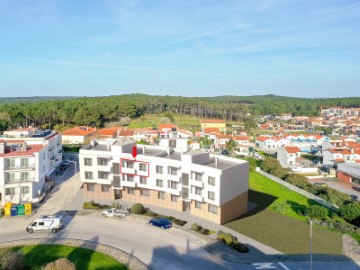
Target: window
{"type": "Point", "coordinates": [159, 183]}
{"type": "Point", "coordinates": [24, 190]}
{"type": "Point", "coordinates": [211, 195]}
{"type": "Point", "coordinates": [174, 198]}
{"type": "Point", "coordinates": [130, 178]}
{"type": "Point", "coordinates": [102, 161]}
{"type": "Point", "coordinates": [142, 167]}
{"type": "Point", "coordinates": [25, 176]}
{"type": "Point", "coordinates": [10, 191]}
{"type": "Point", "coordinates": [44, 156]}
{"type": "Point", "coordinates": [172, 185]}
{"type": "Point", "coordinates": [89, 175]}
{"type": "Point", "coordinates": [144, 192]}
{"type": "Point", "coordinates": [161, 195]}
{"type": "Point", "coordinates": [24, 162]}
{"type": "Point", "coordinates": [196, 176]}
{"type": "Point", "coordinates": [87, 161]}
{"type": "Point", "coordinates": [197, 205]}
{"type": "Point", "coordinates": [130, 190]}
{"type": "Point", "coordinates": [143, 180]}
{"type": "Point", "coordinates": [44, 168]}
{"type": "Point", "coordinates": [211, 181]}
{"type": "Point", "coordinates": [12, 163]}
{"type": "Point", "coordinates": [103, 175]}
{"type": "Point", "coordinates": [197, 191]}
{"type": "Point", "coordinates": [172, 143]}
{"type": "Point", "coordinates": [105, 188]}
{"type": "Point", "coordinates": [172, 171]}
{"type": "Point", "coordinates": [128, 164]}
{"type": "Point", "coordinates": [212, 209]}
{"type": "Point", "coordinates": [90, 187]}
{"type": "Point", "coordinates": [159, 169]}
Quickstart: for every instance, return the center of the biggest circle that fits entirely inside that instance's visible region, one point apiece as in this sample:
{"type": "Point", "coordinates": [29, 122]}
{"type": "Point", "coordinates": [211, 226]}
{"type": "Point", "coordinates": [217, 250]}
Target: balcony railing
{"type": "Point", "coordinates": [20, 167]}
{"type": "Point", "coordinates": [14, 181]}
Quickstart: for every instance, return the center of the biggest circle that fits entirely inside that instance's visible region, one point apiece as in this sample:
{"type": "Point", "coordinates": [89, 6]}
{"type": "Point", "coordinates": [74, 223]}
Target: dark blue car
{"type": "Point", "coordinates": [161, 222]}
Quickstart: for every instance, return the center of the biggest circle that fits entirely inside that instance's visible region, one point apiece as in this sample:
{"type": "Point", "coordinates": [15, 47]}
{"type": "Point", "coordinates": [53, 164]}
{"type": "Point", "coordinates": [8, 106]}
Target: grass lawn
{"type": "Point", "coordinates": [182, 121]}
{"type": "Point", "coordinates": [84, 259]}
{"type": "Point", "coordinates": [286, 232]}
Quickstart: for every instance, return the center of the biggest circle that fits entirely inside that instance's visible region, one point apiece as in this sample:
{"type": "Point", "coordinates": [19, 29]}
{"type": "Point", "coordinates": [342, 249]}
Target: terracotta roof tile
{"type": "Point", "coordinates": [79, 131]}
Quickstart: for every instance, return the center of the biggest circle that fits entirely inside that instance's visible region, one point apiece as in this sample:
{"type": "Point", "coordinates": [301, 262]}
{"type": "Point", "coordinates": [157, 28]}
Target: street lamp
{"type": "Point", "coordinates": [310, 243]}
{"type": "Point", "coordinates": [72, 161]}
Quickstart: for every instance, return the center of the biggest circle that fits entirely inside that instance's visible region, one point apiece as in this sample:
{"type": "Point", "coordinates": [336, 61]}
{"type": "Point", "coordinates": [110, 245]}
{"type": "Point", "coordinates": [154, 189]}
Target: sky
{"type": "Point", "coordinates": [302, 48]}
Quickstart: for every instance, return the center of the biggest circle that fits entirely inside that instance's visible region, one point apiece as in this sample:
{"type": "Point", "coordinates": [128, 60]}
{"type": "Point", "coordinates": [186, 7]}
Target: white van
{"type": "Point", "coordinates": [46, 223]}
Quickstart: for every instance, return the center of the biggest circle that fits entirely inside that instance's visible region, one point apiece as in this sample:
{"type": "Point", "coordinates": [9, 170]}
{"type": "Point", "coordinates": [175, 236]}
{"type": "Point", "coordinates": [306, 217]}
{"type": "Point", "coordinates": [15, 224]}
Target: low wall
{"type": "Point", "coordinates": [119, 255]}
{"type": "Point", "coordinates": [298, 190]}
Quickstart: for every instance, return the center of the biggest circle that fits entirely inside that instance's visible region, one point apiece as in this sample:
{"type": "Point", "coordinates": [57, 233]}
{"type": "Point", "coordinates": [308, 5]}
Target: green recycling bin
{"type": "Point", "coordinates": [21, 209]}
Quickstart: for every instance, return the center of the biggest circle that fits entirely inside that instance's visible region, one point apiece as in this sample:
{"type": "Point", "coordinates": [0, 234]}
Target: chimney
{"type": "Point", "coordinates": [108, 147]}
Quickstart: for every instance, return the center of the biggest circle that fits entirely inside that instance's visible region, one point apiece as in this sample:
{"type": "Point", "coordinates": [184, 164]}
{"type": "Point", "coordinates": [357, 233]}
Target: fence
{"type": "Point", "coordinates": [298, 190]}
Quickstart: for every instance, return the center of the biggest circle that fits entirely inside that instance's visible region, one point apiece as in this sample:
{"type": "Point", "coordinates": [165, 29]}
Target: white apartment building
{"type": "Point", "coordinates": [27, 156]}
{"type": "Point", "coordinates": [209, 186]}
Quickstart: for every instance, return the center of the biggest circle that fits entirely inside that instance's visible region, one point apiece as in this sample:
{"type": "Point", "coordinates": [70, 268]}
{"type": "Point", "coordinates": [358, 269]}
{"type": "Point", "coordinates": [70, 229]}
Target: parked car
{"type": "Point", "coordinates": [46, 223]}
{"type": "Point", "coordinates": [320, 184]}
{"type": "Point", "coordinates": [65, 164]}
{"type": "Point", "coordinates": [225, 152]}
{"type": "Point", "coordinates": [354, 197]}
{"type": "Point", "coordinates": [356, 188]}
{"type": "Point", "coordinates": [161, 222]}
{"type": "Point", "coordinates": [115, 213]}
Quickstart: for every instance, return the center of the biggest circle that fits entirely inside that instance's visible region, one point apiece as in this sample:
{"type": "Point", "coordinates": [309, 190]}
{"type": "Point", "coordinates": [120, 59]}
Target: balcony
{"type": "Point", "coordinates": [175, 178]}
{"type": "Point", "coordinates": [20, 167]}
{"type": "Point", "coordinates": [196, 197]}
{"type": "Point", "coordinates": [173, 191]}
{"type": "Point", "coordinates": [196, 183]}
{"type": "Point", "coordinates": [128, 170]}
{"type": "Point", "coordinates": [128, 184]}
{"type": "Point", "coordinates": [16, 181]}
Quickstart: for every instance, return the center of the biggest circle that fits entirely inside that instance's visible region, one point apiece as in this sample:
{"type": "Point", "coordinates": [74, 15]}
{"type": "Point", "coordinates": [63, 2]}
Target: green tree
{"type": "Point", "coordinates": [230, 145]}
{"type": "Point", "coordinates": [350, 211]}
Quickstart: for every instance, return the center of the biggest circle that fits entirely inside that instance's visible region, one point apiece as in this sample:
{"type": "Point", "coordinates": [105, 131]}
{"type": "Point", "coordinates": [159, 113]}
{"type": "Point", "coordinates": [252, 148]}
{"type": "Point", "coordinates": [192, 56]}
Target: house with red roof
{"type": "Point", "coordinates": [290, 157]}
{"type": "Point", "coordinates": [78, 135]}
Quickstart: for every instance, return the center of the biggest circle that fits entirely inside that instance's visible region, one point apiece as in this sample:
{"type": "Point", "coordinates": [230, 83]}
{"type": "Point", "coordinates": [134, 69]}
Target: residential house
{"type": "Point", "coordinates": [78, 135]}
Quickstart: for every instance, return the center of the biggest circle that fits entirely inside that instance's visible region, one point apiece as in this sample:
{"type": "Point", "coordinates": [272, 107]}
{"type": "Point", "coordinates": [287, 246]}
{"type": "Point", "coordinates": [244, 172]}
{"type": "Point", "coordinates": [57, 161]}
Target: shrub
{"type": "Point", "coordinates": [12, 260]}
{"type": "Point", "coordinates": [60, 264]}
{"type": "Point", "coordinates": [138, 208]}
{"type": "Point", "coordinates": [317, 212]}
{"type": "Point", "coordinates": [195, 227]}
{"type": "Point", "coordinates": [177, 221]}
{"type": "Point", "coordinates": [204, 231]}
{"type": "Point", "coordinates": [94, 205]}
{"type": "Point", "coordinates": [350, 211]}
{"type": "Point", "coordinates": [280, 207]}
{"type": "Point", "coordinates": [232, 242]}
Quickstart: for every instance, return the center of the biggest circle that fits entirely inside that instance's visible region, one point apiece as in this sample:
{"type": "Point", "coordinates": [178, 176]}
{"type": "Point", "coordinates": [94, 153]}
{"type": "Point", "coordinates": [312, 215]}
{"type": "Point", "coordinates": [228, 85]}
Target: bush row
{"type": "Point", "coordinates": [232, 242]}
{"type": "Point", "coordinates": [197, 228]}
{"type": "Point", "coordinates": [139, 209]}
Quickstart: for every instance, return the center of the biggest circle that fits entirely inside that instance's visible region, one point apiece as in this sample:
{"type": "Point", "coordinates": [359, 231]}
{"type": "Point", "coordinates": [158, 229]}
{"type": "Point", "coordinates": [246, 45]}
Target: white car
{"type": "Point", "coordinates": [46, 223]}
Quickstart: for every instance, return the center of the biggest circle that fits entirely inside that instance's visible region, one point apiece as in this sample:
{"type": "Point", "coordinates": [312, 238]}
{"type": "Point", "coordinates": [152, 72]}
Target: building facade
{"type": "Point", "coordinates": [209, 186]}
{"type": "Point", "coordinates": [27, 156]}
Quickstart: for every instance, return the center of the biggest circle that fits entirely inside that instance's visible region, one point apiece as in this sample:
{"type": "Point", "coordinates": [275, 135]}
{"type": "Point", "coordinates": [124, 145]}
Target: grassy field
{"type": "Point", "coordinates": [182, 121]}
{"type": "Point", "coordinates": [84, 259]}
{"type": "Point", "coordinates": [288, 232]}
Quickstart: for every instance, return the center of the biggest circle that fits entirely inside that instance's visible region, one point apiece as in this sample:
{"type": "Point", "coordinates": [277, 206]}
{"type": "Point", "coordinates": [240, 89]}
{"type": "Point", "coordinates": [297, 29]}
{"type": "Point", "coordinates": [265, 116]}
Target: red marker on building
{"type": "Point", "coordinates": [134, 152]}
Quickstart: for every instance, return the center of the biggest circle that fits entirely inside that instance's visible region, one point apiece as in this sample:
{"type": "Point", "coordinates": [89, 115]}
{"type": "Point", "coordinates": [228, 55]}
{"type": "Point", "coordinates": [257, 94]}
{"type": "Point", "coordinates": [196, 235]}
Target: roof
{"type": "Point", "coordinates": [107, 132]}
{"type": "Point", "coordinates": [223, 136]}
{"type": "Point", "coordinates": [241, 138]}
{"type": "Point", "coordinates": [262, 138]}
{"type": "Point", "coordinates": [166, 126]}
{"type": "Point", "coordinates": [210, 130]}
{"type": "Point", "coordinates": [292, 149]}
{"type": "Point", "coordinates": [126, 133]}
{"type": "Point", "coordinates": [339, 151]}
{"type": "Point", "coordinates": [31, 149]}
{"type": "Point", "coordinates": [79, 131]}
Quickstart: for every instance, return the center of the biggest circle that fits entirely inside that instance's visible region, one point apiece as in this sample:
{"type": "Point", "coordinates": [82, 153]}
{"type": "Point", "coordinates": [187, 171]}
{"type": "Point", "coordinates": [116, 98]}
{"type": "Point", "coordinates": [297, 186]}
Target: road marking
{"type": "Point", "coordinates": [264, 266]}
{"type": "Point", "coordinates": [283, 265]}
